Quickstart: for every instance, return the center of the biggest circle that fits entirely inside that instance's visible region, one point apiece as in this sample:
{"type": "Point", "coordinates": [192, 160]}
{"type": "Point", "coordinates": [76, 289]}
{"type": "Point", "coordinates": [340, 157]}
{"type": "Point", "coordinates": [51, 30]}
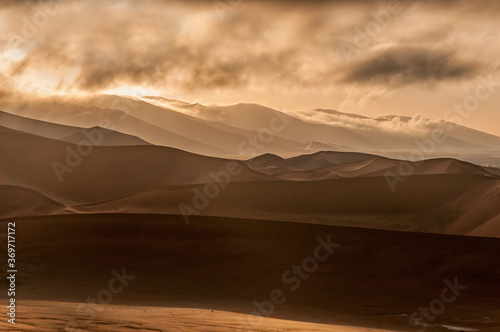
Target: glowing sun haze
{"type": "Point", "coordinates": [365, 57]}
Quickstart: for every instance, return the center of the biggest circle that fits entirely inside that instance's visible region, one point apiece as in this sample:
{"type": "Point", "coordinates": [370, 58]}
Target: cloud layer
{"type": "Point", "coordinates": [401, 66]}
{"type": "Point", "coordinates": [246, 48]}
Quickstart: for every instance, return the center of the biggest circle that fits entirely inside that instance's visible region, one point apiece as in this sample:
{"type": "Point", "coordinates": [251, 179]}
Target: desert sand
{"type": "Point", "coordinates": [177, 274]}
{"type": "Point", "coordinates": [54, 316]}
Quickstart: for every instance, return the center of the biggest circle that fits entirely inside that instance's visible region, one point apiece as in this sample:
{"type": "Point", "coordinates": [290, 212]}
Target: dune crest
{"type": "Point", "coordinates": [333, 188]}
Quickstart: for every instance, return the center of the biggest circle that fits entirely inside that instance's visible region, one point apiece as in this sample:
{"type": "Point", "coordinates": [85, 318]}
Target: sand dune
{"type": "Point", "coordinates": [66, 133]}
{"type": "Point", "coordinates": [156, 125]}
{"type": "Point", "coordinates": [255, 117]}
{"type": "Point", "coordinates": [471, 135]}
{"type": "Point", "coordinates": [55, 316]}
{"type": "Point", "coordinates": [478, 218]}
{"type": "Point", "coordinates": [18, 202]}
{"type": "Point", "coordinates": [37, 127]}
{"type": "Point", "coordinates": [350, 130]}
{"type": "Point", "coordinates": [373, 281]}
{"type": "Point", "coordinates": [119, 119]}
{"type": "Point", "coordinates": [223, 130]}
{"type": "Point", "coordinates": [333, 165]}
{"type": "Point", "coordinates": [109, 137]}
{"type": "Point", "coordinates": [424, 203]}
{"type": "Point", "coordinates": [332, 188]}
{"type": "Point", "coordinates": [96, 135]}
{"type": "Point", "coordinates": [106, 172]}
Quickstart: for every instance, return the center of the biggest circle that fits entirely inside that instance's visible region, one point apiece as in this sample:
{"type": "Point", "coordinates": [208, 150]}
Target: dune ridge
{"type": "Point", "coordinates": [220, 131]}
{"type": "Point", "coordinates": [333, 188]}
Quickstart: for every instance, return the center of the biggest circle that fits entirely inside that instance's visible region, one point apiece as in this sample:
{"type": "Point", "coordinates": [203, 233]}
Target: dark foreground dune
{"type": "Point", "coordinates": [374, 279]}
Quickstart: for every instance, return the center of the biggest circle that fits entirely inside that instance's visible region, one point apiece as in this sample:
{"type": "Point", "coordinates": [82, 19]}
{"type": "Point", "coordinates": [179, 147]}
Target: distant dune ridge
{"type": "Point", "coordinates": [112, 172]}
{"type": "Point", "coordinates": [247, 130]}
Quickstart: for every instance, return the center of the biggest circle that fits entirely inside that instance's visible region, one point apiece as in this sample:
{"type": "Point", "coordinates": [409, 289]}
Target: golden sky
{"type": "Point", "coordinates": [366, 57]}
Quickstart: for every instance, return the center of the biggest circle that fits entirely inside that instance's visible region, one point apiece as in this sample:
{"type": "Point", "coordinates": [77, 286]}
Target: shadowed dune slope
{"type": "Point", "coordinates": [104, 173]}
{"type": "Point", "coordinates": [37, 127]}
{"type": "Point", "coordinates": [156, 125]}
{"type": "Point", "coordinates": [224, 131]}
{"type": "Point", "coordinates": [103, 137]}
{"type": "Point", "coordinates": [351, 189]}
{"type": "Point", "coordinates": [343, 129]}
{"type": "Point", "coordinates": [71, 134]}
{"type": "Point", "coordinates": [332, 165]}
{"type": "Point", "coordinates": [87, 116]}
{"type": "Point", "coordinates": [373, 279]}
{"type": "Point", "coordinates": [426, 203]}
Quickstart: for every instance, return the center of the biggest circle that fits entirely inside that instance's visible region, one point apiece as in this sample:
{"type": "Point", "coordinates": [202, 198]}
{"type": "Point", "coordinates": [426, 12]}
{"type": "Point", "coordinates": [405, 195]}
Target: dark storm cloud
{"type": "Point", "coordinates": [409, 65]}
